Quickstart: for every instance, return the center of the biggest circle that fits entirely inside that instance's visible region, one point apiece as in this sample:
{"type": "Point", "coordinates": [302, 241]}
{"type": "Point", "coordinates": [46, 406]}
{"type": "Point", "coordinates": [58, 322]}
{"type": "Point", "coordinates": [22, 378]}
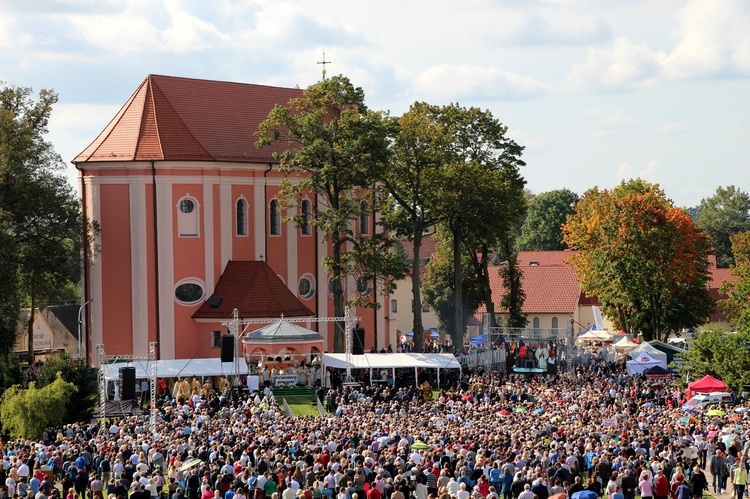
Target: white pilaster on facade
{"type": "Point", "coordinates": [208, 236]}
{"type": "Point", "coordinates": [95, 272]}
{"type": "Point", "coordinates": [165, 234]}
{"type": "Point", "coordinates": [291, 253]}
{"type": "Point", "coordinates": [321, 293]}
{"type": "Point", "coordinates": [138, 267]}
{"type": "Point", "coordinates": [226, 205]}
{"type": "Point", "coordinates": [383, 339]}
{"type": "Point", "coordinates": [259, 220]}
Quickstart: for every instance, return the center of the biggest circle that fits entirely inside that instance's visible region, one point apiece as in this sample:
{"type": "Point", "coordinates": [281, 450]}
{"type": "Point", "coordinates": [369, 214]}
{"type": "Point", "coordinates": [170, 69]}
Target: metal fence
{"type": "Point", "coordinates": [488, 355]}
{"type": "Point", "coordinates": [321, 409]}
{"type": "Point", "coordinates": [287, 409]}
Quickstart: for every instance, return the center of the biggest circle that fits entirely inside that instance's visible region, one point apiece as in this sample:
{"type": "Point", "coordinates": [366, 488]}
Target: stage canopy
{"type": "Point", "coordinates": [594, 335]}
{"type": "Point", "coordinates": [625, 344]}
{"type": "Point", "coordinates": [391, 360]}
{"type": "Point", "coordinates": [644, 361]}
{"type": "Point", "coordinates": [657, 372]}
{"type": "Point", "coordinates": [645, 348]}
{"type": "Point", "coordinates": [707, 384]}
{"type": "Point", "coordinates": [177, 368]}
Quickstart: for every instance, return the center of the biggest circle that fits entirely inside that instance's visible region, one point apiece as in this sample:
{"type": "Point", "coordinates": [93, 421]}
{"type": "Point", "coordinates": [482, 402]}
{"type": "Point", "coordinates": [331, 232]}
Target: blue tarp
{"type": "Point", "coordinates": [477, 340]}
{"type": "Point", "coordinates": [433, 332]}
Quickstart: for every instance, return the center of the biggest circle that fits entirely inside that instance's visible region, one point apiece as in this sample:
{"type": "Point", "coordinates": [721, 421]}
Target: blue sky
{"type": "Point", "coordinates": [596, 90]}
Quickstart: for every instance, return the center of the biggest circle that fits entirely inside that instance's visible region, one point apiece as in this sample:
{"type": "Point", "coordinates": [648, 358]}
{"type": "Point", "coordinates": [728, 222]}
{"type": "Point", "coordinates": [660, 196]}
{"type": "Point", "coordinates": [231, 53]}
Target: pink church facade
{"type": "Point", "coordinates": [179, 190]}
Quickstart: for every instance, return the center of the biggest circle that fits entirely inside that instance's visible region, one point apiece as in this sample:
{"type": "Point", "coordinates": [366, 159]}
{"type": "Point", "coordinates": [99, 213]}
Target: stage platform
{"type": "Point", "coordinates": [529, 370]}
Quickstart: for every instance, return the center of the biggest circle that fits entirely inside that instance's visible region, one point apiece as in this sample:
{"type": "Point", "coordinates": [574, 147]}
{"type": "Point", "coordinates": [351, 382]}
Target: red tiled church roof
{"type": "Point", "coordinates": [549, 290]}
{"type": "Point", "coordinates": [426, 250]}
{"type": "Point", "coordinates": [544, 258]}
{"type": "Point", "coordinates": [254, 289]}
{"type": "Point", "coordinates": [186, 119]}
{"type": "Point", "coordinates": [718, 277]}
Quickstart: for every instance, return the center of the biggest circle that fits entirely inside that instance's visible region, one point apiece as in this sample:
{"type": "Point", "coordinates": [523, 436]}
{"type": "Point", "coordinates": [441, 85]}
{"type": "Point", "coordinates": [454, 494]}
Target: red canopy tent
{"type": "Point", "coordinates": [706, 384]}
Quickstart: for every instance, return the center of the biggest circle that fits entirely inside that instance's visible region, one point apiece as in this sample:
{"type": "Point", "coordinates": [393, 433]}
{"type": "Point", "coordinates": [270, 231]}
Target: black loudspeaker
{"type": "Point", "coordinates": [227, 348]}
{"type": "Point", "coordinates": [127, 383]}
{"type": "Point", "coordinates": [358, 341]}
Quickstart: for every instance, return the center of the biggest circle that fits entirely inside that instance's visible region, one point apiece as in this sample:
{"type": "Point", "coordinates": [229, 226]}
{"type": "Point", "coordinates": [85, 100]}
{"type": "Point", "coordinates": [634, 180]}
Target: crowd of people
{"type": "Point", "coordinates": [491, 435]}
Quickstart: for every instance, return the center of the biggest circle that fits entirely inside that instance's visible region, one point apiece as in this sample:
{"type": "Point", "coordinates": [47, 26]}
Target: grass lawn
{"type": "Point", "coordinates": [302, 404]}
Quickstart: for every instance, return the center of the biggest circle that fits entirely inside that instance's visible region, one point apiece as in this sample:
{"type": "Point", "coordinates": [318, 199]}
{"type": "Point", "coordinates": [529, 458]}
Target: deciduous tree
{"type": "Point", "coordinates": [25, 413]}
{"type": "Point", "coordinates": [720, 354]}
{"type": "Point", "coordinates": [481, 193]}
{"type": "Point", "coordinates": [439, 288]}
{"type": "Point", "coordinates": [546, 214]}
{"type": "Point", "coordinates": [736, 305]}
{"type": "Point", "coordinates": [722, 215]}
{"type": "Point", "coordinates": [511, 274]}
{"type": "Point", "coordinates": [39, 213]}
{"type": "Point", "coordinates": [335, 144]}
{"type": "Point", "coordinates": [411, 179]}
{"type": "Point", "coordinates": [644, 259]}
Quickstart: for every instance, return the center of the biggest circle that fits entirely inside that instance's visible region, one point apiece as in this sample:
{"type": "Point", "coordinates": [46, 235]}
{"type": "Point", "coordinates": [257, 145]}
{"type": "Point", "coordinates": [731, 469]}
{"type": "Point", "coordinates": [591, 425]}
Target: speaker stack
{"type": "Point", "coordinates": [358, 341]}
{"type": "Point", "coordinates": [227, 348]}
{"type": "Point", "coordinates": [127, 383]}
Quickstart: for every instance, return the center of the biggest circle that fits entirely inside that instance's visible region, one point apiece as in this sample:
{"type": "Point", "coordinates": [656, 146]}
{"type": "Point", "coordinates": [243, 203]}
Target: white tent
{"type": "Point", "coordinates": [177, 368]}
{"type": "Point", "coordinates": [377, 361]}
{"type": "Point", "coordinates": [389, 360]}
{"type": "Point", "coordinates": [650, 351]}
{"type": "Point", "coordinates": [625, 344]}
{"type": "Point", "coordinates": [643, 362]}
{"type": "Point", "coordinates": [594, 335]}
{"type": "Point", "coordinates": [645, 356]}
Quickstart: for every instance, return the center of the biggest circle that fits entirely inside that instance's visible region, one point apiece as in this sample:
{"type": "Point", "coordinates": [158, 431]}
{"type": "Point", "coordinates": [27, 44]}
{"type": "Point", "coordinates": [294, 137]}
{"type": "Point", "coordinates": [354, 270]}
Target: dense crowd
{"type": "Point", "coordinates": [591, 431]}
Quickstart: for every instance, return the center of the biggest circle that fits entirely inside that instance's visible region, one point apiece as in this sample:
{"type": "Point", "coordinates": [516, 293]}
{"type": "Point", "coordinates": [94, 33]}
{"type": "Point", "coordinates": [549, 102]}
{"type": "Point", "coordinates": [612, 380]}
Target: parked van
{"type": "Point", "coordinates": [704, 400]}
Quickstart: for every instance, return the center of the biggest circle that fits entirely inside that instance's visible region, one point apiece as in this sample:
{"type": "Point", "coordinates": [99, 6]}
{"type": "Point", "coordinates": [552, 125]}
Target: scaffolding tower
{"type": "Point", "coordinates": [349, 320]}
{"type": "Point", "coordinates": [563, 337]}
{"type": "Point", "coordinates": [106, 363]}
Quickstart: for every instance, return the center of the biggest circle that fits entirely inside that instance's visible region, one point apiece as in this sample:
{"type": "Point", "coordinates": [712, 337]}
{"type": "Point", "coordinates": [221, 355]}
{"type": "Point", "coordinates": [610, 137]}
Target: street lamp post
{"type": "Point", "coordinates": [80, 324]}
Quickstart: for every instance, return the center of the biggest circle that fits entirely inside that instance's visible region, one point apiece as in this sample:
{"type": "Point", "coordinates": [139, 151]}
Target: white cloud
{"type": "Point", "coordinates": [188, 32]}
{"type": "Point", "coordinates": [671, 128]}
{"type": "Point", "coordinates": [120, 33]}
{"type": "Point", "coordinates": [624, 65]}
{"type": "Point", "coordinates": [72, 127]}
{"type": "Point", "coordinates": [608, 122]}
{"type": "Point", "coordinates": [535, 142]}
{"type": "Point", "coordinates": [711, 40]}
{"type": "Point", "coordinates": [546, 26]}
{"type": "Point", "coordinates": [626, 171]}
{"type": "Point", "coordinates": [615, 121]}
{"type": "Point", "coordinates": [448, 82]}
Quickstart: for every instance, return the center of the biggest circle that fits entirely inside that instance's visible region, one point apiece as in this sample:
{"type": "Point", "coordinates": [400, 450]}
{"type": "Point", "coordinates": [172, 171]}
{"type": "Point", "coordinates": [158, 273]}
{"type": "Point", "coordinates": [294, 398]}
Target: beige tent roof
{"type": "Point", "coordinates": [625, 344]}
{"type": "Point", "coordinates": [593, 335]}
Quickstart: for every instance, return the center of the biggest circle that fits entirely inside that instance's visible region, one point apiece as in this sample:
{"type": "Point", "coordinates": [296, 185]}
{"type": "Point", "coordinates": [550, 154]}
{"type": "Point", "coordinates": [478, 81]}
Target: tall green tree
{"type": "Point", "coordinates": [511, 274]}
{"type": "Point", "coordinates": [720, 354]}
{"type": "Point", "coordinates": [542, 227]}
{"type": "Point", "coordinates": [481, 193]}
{"type": "Point", "coordinates": [644, 259]}
{"type": "Point", "coordinates": [39, 213]}
{"type": "Point", "coordinates": [420, 151]}
{"type": "Point", "coordinates": [26, 412]}
{"type": "Point", "coordinates": [736, 305]}
{"type": "Point", "coordinates": [335, 143]}
{"type": "Point", "coordinates": [722, 215]}
{"type": "Point", "coordinates": [439, 288]}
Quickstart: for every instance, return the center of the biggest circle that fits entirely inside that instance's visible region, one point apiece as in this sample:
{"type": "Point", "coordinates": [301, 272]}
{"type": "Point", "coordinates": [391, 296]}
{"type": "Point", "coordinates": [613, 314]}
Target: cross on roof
{"type": "Point", "coordinates": [324, 62]}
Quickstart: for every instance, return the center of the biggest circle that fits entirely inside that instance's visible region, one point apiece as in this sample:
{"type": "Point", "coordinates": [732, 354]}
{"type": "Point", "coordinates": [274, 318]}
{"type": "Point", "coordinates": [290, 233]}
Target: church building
{"type": "Point", "coordinates": [190, 226]}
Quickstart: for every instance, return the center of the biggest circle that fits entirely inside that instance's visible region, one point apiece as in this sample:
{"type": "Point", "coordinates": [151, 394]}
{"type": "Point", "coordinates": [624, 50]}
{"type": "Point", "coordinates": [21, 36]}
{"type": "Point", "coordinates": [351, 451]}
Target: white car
{"type": "Point", "coordinates": [704, 400]}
